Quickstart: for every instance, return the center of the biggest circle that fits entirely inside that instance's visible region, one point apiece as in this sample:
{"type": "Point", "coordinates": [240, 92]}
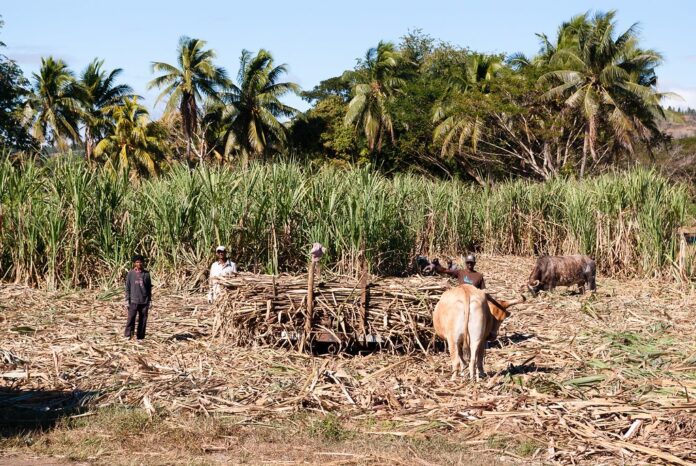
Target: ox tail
{"type": "Point", "coordinates": [467, 311]}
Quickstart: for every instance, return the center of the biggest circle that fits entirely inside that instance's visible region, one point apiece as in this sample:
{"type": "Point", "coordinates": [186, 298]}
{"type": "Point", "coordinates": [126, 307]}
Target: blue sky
{"type": "Point", "coordinates": [319, 39]}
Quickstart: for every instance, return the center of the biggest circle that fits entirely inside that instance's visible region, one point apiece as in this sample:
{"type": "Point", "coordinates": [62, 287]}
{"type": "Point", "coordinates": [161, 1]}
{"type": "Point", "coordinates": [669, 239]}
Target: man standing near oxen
{"type": "Point", "coordinates": [469, 276]}
{"type": "Point", "coordinates": [221, 267]}
{"type": "Point", "coordinates": [138, 297]}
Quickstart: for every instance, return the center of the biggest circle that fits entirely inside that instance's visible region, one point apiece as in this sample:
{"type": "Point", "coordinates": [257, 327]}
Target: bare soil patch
{"type": "Point", "coordinates": [681, 129]}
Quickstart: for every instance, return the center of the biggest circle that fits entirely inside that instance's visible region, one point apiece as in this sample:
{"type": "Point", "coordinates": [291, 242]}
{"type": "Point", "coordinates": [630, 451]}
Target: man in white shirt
{"type": "Point", "coordinates": [220, 268]}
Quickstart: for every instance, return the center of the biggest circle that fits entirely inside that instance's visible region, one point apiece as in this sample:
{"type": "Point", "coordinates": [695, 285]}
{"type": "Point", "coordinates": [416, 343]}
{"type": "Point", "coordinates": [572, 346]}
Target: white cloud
{"type": "Point", "coordinates": [26, 58]}
{"type": "Point", "coordinates": [685, 97]}
{"type": "Point", "coordinates": [31, 56]}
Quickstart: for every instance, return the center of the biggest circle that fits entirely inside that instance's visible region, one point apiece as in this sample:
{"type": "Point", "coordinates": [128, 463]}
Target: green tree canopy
{"type": "Point", "coordinates": [609, 81]}
{"type": "Point", "coordinates": [14, 90]}
{"type": "Point", "coordinates": [375, 83]}
{"type": "Point", "coordinates": [134, 144]}
{"type": "Point", "coordinates": [251, 109]}
{"type": "Point", "coordinates": [97, 91]}
{"type": "Point", "coordinates": [188, 84]}
{"type": "Point", "coordinates": [54, 106]}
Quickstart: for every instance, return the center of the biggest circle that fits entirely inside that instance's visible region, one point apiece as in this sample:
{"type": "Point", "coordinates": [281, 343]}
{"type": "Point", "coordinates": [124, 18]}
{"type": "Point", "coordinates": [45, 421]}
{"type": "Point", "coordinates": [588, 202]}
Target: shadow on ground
{"type": "Point", "coordinates": [512, 339]}
{"type": "Point", "coordinates": [26, 410]}
{"type": "Point", "coordinates": [526, 369]}
{"type": "Point", "coordinates": [185, 336]}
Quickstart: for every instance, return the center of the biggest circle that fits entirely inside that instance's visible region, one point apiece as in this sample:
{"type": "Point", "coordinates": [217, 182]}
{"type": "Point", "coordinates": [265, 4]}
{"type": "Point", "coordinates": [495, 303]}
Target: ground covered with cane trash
{"type": "Point", "coordinates": [606, 378]}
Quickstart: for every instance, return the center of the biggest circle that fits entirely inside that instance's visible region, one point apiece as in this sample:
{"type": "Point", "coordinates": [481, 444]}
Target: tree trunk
{"type": "Point", "coordinates": [593, 137]}
{"type": "Point", "coordinates": [475, 174]}
{"type": "Point", "coordinates": [201, 153]}
{"type": "Point", "coordinates": [189, 119]}
{"type": "Point", "coordinates": [89, 145]}
{"type": "Point", "coordinates": [585, 144]}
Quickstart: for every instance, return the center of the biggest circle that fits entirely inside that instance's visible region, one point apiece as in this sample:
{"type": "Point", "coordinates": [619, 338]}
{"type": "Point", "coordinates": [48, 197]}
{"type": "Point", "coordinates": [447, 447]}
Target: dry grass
{"type": "Point", "coordinates": [130, 436]}
{"type": "Point", "coordinates": [606, 378]}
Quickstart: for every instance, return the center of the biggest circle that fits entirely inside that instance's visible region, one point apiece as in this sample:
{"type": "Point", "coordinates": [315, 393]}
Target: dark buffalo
{"type": "Point", "coordinates": [552, 271]}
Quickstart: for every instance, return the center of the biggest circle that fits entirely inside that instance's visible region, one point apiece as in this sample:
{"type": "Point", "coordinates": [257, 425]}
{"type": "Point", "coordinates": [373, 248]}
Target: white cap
{"type": "Point", "coordinates": [220, 248]}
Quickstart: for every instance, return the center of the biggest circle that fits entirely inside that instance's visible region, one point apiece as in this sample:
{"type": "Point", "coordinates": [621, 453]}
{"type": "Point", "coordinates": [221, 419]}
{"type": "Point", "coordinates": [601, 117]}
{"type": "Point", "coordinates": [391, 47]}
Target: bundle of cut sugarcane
{"type": "Point", "coordinates": [394, 313]}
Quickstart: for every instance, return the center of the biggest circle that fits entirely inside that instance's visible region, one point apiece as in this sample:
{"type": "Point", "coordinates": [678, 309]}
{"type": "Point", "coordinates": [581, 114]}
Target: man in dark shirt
{"type": "Point", "coordinates": [138, 297]}
{"type": "Point", "coordinates": [468, 276]}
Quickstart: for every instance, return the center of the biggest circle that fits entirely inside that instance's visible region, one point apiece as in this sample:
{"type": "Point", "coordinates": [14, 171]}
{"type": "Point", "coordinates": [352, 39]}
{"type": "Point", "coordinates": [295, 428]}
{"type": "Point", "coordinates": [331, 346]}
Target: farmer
{"type": "Point", "coordinates": [221, 267]}
{"type": "Point", "coordinates": [138, 297]}
{"type": "Point", "coordinates": [468, 276]}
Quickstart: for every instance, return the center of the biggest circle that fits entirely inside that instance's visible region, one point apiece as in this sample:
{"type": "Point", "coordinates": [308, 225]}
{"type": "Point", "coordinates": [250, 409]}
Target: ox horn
{"type": "Point", "coordinates": [519, 300]}
{"type": "Point", "coordinates": [512, 302]}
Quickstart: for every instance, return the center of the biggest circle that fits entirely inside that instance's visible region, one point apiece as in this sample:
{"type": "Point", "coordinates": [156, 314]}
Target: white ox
{"type": "Point", "coordinates": [465, 317]}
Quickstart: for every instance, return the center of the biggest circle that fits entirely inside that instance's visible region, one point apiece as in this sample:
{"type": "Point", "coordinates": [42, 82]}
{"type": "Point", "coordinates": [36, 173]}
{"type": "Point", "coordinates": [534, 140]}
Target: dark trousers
{"type": "Point", "coordinates": [141, 311]}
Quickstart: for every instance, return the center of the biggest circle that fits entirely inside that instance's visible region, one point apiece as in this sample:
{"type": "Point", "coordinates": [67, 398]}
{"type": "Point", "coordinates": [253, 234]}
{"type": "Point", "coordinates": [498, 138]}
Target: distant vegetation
{"type": "Point", "coordinates": [682, 111]}
{"type": "Point", "coordinates": [586, 102]}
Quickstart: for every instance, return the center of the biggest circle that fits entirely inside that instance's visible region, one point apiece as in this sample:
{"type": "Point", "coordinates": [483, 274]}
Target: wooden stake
{"type": "Point", "coordinates": [685, 234]}
{"type": "Point", "coordinates": [682, 255]}
{"type": "Point", "coordinates": [363, 294]}
{"type": "Point", "coordinates": [310, 302]}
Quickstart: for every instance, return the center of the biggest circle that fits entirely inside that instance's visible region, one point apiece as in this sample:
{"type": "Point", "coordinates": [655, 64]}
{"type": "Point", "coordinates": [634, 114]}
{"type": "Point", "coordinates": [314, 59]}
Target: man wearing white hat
{"type": "Point", "coordinates": [220, 268]}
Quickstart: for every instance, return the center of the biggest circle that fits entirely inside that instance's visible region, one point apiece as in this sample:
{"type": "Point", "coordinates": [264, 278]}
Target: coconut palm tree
{"type": "Point", "coordinates": [251, 108]}
{"type": "Point", "coordinates": [458, 128]}
{"type": "Point", "coordinates": [608, 80]}
{"type": "Point", "coordinates": [186, 85]}
{"type": "Point", "coordinates": [132, 145]}
{"type": "Point", "coordinates": [566, 36]}
{"type": "Point", "coordinates": [97, 92]}
{"type": "Point", "coordinates": [53, 107]}
{"type": "Point", "coordinates": [374, 85]}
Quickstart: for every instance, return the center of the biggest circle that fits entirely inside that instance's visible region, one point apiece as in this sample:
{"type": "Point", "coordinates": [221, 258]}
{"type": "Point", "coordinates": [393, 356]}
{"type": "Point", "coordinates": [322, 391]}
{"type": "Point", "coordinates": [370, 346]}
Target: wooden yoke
{"type": "Point", "coordinates": [363, 293]}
